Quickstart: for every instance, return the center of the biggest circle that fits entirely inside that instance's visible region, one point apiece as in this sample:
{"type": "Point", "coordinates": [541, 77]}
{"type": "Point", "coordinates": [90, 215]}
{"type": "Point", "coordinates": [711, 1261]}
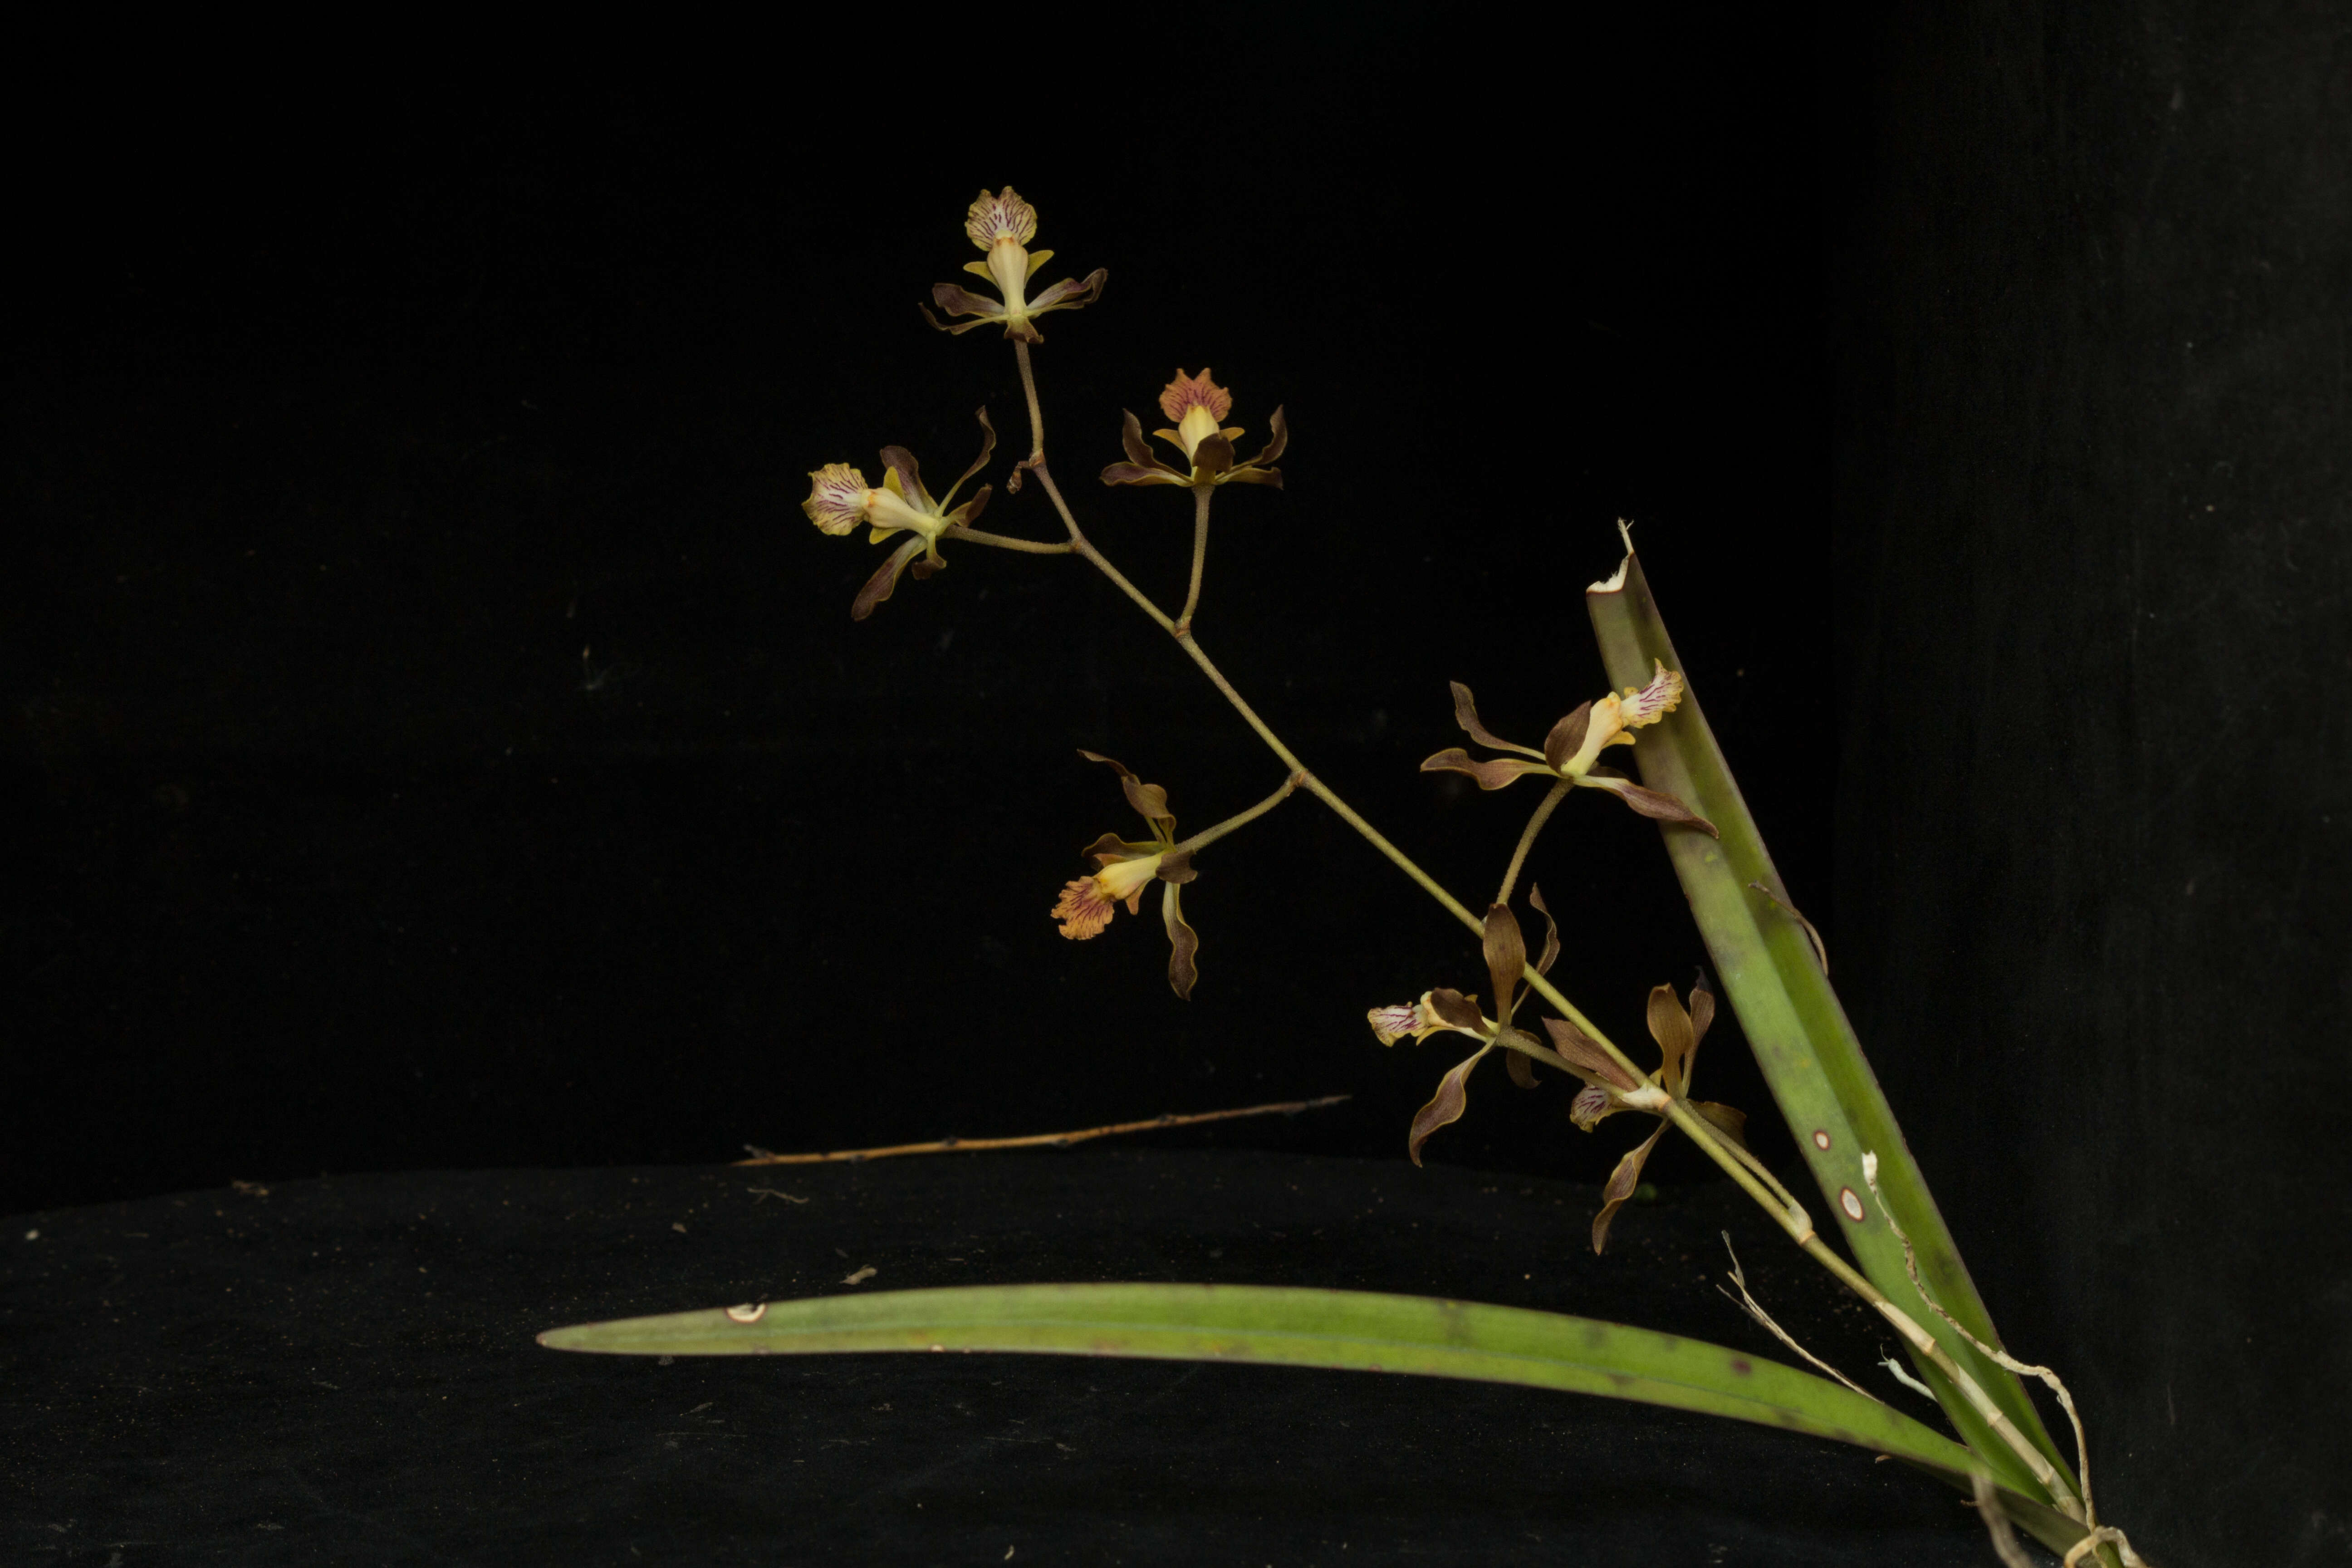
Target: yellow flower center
{"type": "Point", "coordinates": [1008, 263]}
{"type": "Point", "coordinates": [1197, 426]}
{"type": "Point", "coordinates": [1123, 879]}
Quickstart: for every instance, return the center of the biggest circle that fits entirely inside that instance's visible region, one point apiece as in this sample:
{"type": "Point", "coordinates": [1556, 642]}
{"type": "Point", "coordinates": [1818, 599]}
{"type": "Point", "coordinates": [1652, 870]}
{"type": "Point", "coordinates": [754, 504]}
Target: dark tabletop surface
{"type": "Point", "coordinates": [343, 1371]}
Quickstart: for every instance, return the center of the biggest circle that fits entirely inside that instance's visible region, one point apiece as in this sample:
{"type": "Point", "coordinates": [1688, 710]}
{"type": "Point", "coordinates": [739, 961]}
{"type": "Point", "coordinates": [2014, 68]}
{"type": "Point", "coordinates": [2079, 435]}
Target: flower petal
{"type": "Point", "coordinates": [987, 446]}
{"type": "Point", "coordinates": [836, 499]}
{"type": "Point", "coordinates": [1551, 931]}
{"type": "Point", "coordinates": [1491, 775]}
{"type": "Point", "coordinates": [901, 462]}
{"type": "Point", "coordinates": [1506, 958]}
{"type": "Point", "coordinates": [1071, 293]}
{"type": "Point", "coordinates": [1730, 1122]}
{"type": "Point", "coordinates": [1670, 1027]}
{"type": "Point", "coordinates": [1621, 1182]}
{"type": "Point", "coordinates": [1584, 1054]}
{"type": "Point", "coordinates": [1128, 474]}
{"type": "Point", "coordinates": [1446, 1105]}
{"type": "Point", "coordinates": [1003, 214]}
{"type": "Point", "coordinates": [885, 580]}
{"type": "Point", "coordinates": [1593, 1104]}
{"type": "Point", "coordinates": [1458, 1011]}
{"type": "Point", "coordinates": [1393, 1022]}
{"type": "Point", "coordinates": [1131, 441]}
{"type": "Point", "coordinates": [1466, 713]}
{"type": "Point", "coordinates": [1653, 702]}
{"type": "Point", "coordinates": [1187, 393]}
{"type": "Point", "coordinates": [1183, 943]}
{"type": "Point", "coordinates": [1276, 440]}
{"type": "Point", "coordinates": [1522, 1070]}
{"type": "Point", "coordinates": [1249, 473]}
{"type": "Point", "coordinates": [1211, 455]}
{"type": "Point", "coordinates": [1567, 737]}
{"type": "Point", "coordinates": [957, 300]}
{"type": "Point", "coordinates": [1084, 909]}
{"type": "Point", "coordinates": [1650, 802]}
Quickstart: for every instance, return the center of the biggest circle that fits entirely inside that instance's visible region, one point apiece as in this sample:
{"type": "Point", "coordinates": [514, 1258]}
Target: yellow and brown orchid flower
{"type": "Point", "coordinates": [1445, 1009]}
{"type": "Point", "coordinates": [1610, 1089]}
{"type": "Point", "coordinates": [1572, 750]}
{"type": "Point", "coordinates": [1002, 226]}
{"type": "Point", "coordinates": [1128, 867]}
{"type": "Point", "coordinates": [1197, 407]}
{"type": "Point", "coordinates": [839, 499]}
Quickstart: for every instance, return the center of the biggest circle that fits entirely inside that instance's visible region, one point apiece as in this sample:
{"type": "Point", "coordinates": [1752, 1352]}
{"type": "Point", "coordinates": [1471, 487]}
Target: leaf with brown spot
{"type": "Point", "coordinates": [1466, 713]}
{"type": "Point", "coordinates": [1583, 1053]}
{"type": "Point", "coordinates": [1445, 1107]}
{"type": "Point", "coordinates": [1621, 1182]}
{"type": "Point", "coordinates": [1493, 775]}
{"type": "Point", "coordinates": [1183, 942]}
{"type": "Point", "coordinates": [1567, 737]}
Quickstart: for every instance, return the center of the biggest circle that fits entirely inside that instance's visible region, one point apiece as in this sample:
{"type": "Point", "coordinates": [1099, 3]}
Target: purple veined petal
{"type": "Point", "coordinates": [1491, 775]}
{"type": "Point", "coordinates": [1445, 1107]}
{"type": "Point", "coordinates": [1466, 713]}
{"type": "Point", "coordinates": [1183, 942]}
{"type": "Point", "coordinates": [1592, 1105]}
{"type": "Point", "coordinates": [1621, 1182]}
{"type": "Point", "coordinates": [1567, 737]}
{"type": "Point", "coordinates": [885, 580]}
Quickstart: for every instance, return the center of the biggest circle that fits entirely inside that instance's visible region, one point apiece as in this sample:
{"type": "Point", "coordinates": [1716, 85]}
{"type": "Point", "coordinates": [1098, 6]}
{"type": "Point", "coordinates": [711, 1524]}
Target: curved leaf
{"type": "Point", "coordinates": [1799, 1031]}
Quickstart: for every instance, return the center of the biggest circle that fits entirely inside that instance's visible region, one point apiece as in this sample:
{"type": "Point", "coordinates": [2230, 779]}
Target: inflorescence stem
{"type": "Point", "coordinates": [1738, 1164]}
{"type": "Point", "coordinates": [1200, 498]}
{"type": "Point", "coordinates": [1549, 804]}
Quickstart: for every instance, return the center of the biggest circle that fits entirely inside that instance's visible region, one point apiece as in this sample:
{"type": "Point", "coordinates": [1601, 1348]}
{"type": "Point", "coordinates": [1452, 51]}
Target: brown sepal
{"type": "Point", "coordinates": [1670, 1027]}
{"type": "Point", "coordinates": [957, 300]}
{"type": "Point", "coordinates": [1522, 1070]}
{"type": "Point", "coordinates": [1183, 942]}
{"type": "Point", "coordinates": [1567, 737]}
{"type": "Point", "coordinates": [987, 448]}
{"type": "Point", "coordinates": [1729, 1122]}
{"type": "Point", "coordinates": [1651, 802]}
{"type": "Point", "coordinates": [1466, 713]}
{"type": "Point", "coordinates": [1278, 438]}
{"type": "Point", "coordinates": [901, 461]}
{"type": "Point", "coordinates": [1506, 958]}
{"type": "Point", "coordinates": [1177, 867]}
{"type": "Point", "coordinates": [885, 580]}
{"type": "Point", "coordinates": [1072, 293]}
{"type": "Point", "coordinates": [1456, 1009]}
{"type": "Point", "coordinates": [1493, 773]}
{"type": "Point", "coordinates": [954, 330]}
{"type": "Point", "coordinates": [1621, 1182]}
{"type": "Point", "coordinates": [1585, 1054]}
{"type": "Point", "coordinates": [1128, 474]}
{"type": "Point", "coordinates": [1110, 846]}
{"type": "Point", "coordinates": [1551, 931]}
{"type": "Point", "coordinates": [1249, 474]}
{"type": "Point", "coordinates": [1151, 802]}
{"type": "Point", "coordinates": [1445, 1106]}
{"type": "Point", "coordinates": [1211, 455]}
{"type": "Point", "coordinates": [924, 565]}
{"type": "Point", "coordinates": [1702, 1009]}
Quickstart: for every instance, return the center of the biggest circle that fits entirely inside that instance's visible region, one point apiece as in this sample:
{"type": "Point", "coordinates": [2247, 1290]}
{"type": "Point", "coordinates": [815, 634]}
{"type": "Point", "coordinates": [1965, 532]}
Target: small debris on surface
{"type": "Point", "coordinates": [861, 1277]}
{"type": "Point", "coordinates": [32, 1235]}
{"type": "Point", "coordinates": [677, 1226]}
{"type": "Point", "coordinates": [761, 1194]}
{"type": "Point", "coordinates": [249, 1189]}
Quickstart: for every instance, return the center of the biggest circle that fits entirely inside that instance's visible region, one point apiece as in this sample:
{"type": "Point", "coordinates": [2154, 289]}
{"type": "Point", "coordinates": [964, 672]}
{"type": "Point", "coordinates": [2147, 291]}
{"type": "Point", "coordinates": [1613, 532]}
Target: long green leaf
{"type": "Point", "coordinates": [1802, 1038]}
{"type": "Point", "coordinates": [1356, 1330]}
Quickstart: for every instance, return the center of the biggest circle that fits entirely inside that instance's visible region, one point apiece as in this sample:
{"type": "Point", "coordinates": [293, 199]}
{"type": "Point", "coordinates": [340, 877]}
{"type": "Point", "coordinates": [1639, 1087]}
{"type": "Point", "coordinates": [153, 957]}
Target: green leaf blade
{"type": "Point", "coordinates": [1803, 1040]}
{"type": "Point", "coordinates": [1342, 1329]}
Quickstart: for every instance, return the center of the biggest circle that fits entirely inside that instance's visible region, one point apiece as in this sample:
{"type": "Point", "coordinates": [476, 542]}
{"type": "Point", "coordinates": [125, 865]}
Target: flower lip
{"type": "Point", "coordinates": [837, 499]}
{"type": "Point", "coordinates": [1002, 219]}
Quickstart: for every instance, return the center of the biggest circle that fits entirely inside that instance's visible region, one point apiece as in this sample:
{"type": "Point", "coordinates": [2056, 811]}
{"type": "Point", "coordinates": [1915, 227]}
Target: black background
{"type": "Point", "coordinates": [434, 737]}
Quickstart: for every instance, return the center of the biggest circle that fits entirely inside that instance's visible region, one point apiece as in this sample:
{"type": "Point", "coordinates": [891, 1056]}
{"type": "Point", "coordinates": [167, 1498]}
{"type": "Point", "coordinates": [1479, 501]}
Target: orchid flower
{"type": "Point", "coordinates": [1002, 226]}
{"type": "Point", "coordinates": [1610, 1089]}
{"type": "Point", "coordinates": [1087, 903]}
{"type": "Point", "coordinates": [1573, 747]}
{"type": "Point", "coordinates": [1197, 407]}
{"type": "Point", "coordinates": [839, 499]}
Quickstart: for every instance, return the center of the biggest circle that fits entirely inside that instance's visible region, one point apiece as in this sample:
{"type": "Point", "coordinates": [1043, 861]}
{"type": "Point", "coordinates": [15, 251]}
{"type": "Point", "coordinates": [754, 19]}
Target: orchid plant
{"type": "Point", "coordinates": [1904, 1265]}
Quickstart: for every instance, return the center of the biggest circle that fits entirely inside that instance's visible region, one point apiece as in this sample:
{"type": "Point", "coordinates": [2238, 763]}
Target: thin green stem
{"type": "Point", "coordinates": [1005, 541]}
{"type": "Point", "coordinates": [1036, 419]}
{"type": "Point", "coordinates": [1208, 835]}
{"type": "Point", "coordinates": [1200, 497]}
{"type": "Point", "coordinates": [1549, 804]}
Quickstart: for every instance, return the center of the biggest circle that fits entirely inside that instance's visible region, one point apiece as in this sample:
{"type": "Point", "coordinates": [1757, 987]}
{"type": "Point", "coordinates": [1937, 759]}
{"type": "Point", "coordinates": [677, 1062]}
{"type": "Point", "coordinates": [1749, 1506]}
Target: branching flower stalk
{"type": "Point", "coordinates": [1197, 407]}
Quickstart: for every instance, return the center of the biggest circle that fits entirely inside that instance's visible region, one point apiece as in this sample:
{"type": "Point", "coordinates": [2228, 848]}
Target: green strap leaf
{"type": "Point", "coordinates": [1779, 987]}
{"type": "Point", "coordinates": [1355, 1330]}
